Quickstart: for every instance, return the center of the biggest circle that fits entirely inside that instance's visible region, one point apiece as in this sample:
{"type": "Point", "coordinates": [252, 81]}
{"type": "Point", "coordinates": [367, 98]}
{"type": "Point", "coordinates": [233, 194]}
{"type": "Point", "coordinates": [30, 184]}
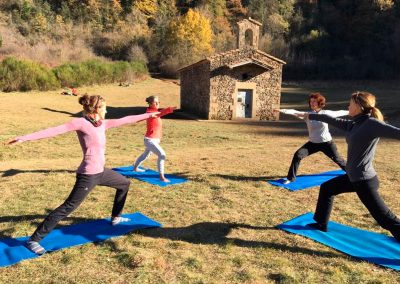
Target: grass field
{"type": "Point", "coordinates": [219, 227]}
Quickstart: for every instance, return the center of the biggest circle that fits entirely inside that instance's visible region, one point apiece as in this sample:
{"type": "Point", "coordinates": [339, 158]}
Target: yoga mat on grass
{"type": "Point", "coordinates": [149, 176]}
{"type": "Point", "coordinates": [372, 247]}
{"type": "Point", "coordinates": [306, 181]}
{"type": "Point", "coordinates": [13, 250]}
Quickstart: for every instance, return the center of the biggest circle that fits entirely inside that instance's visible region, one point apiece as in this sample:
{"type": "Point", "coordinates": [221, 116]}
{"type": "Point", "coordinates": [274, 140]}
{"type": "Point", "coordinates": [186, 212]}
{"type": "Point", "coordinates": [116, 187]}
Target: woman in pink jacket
{"type": "Point", "coordinates": [91, 130]}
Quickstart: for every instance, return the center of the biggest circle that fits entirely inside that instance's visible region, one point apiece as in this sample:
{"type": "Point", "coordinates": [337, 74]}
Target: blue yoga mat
{"type": "Point", "coordinates": [306, 181]}
{"type": "Point", "coordinates": [13, 250]}
{"type": "Point", "coordinates": [373, 247]}
{"type": "Point", "coordinates": [149, 176]}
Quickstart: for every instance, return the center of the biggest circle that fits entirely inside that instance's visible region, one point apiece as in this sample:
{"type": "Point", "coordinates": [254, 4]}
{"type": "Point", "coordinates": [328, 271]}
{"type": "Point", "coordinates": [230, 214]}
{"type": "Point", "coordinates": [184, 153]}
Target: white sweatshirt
{"type": "Point", "coordinates": [318, 132]}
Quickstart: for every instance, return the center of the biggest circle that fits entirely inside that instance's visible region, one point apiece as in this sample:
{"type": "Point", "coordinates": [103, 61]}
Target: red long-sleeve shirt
{"type": "Point", "coordinates": [154, 124]}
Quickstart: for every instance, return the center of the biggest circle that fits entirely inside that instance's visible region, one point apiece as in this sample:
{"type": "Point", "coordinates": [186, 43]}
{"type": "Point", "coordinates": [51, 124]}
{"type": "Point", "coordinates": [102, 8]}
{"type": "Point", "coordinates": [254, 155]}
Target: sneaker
{"type": "Point", "coordinates": [286, 181]}
{"type": "Point", "coordinates": [35, 247]}
{"type": "Point", "coordinates": [139, 170]}
{"type": "Point", "coordinates": [318, 226]}
{"type": "Point", "coordinates": [119, 219]}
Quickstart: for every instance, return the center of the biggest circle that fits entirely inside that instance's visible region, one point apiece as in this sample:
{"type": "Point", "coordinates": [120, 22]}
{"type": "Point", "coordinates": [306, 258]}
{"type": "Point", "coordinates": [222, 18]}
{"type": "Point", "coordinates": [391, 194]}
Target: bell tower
{"type": "Point", "coordinates": [248, 33]}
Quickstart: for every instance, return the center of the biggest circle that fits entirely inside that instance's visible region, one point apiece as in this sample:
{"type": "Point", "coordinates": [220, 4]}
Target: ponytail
{"type": "Point", "coordinates": [367, 101]}
{"type": "Point", "coordinates": [376, 113]}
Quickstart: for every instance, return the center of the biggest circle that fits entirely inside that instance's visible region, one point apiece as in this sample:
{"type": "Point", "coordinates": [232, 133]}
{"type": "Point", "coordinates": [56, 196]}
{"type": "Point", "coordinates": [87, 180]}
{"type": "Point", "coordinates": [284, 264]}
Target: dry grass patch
{"type": "Point", "coordinates": [218, 228]}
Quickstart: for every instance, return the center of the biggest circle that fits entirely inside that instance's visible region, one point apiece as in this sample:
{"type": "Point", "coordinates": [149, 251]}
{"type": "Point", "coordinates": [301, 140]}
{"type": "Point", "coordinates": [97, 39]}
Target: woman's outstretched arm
{"type": "Point", "coordinates": [166, 111]}
{"type": "Point", "coordinates": [49, 132]}
{"type": "Point", "coordinates": [337, 113]}
{"type": "Point", "coordinates": [384, 130]}
{"type": "Point", "coordinates": [340, 123]}
{"type": "Point", "coordinates": [293, 112]}
{"type": "Point", "coordinates": [111, 123]}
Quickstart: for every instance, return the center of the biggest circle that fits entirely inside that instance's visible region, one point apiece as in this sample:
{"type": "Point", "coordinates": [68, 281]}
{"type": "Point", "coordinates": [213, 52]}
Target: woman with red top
{"type": "Point", "coordinates": [153, 137]}
{"type": "Point", "coordinates": [90, 130]}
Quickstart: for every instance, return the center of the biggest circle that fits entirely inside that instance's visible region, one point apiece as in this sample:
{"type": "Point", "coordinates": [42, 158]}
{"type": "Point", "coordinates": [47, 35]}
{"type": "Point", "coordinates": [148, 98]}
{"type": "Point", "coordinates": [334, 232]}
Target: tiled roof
{"type": "Point", "coordinates": [231, 52]}
{"type": "Point", "coordinates": [192, 65]}
{"type": "Point", "coordinates": [251, 61]}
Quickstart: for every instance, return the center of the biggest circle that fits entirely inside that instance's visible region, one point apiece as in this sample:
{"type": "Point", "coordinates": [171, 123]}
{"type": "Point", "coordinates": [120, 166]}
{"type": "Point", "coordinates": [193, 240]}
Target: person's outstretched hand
{"type": "Point", "coordinates": [13, 141]}
{"type": "Point", "coordinates": [302, 115]}
{"type": "Point", "coordinates": [154, 114]}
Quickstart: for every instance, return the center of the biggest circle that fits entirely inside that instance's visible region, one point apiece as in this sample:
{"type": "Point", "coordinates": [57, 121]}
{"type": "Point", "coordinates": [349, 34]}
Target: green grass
{"type": "Point", "coordinates": [219, 227]}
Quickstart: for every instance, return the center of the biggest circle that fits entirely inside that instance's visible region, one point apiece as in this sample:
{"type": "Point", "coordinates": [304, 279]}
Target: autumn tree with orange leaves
{"type": "Point", "coordinates": [188, 39]}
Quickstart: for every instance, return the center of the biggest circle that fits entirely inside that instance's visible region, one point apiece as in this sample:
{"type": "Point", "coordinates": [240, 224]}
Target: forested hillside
{"type": "Point", "coordinates": [332, 39]}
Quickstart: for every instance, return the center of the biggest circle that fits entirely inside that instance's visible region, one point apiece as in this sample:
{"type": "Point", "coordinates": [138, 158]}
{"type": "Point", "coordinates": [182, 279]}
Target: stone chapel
{"type": "Point", "coordinates": [236, 84]}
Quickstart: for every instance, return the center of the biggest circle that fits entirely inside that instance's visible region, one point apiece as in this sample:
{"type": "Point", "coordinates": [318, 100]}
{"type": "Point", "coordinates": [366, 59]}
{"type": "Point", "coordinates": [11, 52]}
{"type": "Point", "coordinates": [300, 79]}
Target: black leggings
{"type": "Point", "coordinates": [328, 148]}
{"type": "Point", "coordinates": [367, 191]}
{"type": "Point", "coordinates": [83, 185]}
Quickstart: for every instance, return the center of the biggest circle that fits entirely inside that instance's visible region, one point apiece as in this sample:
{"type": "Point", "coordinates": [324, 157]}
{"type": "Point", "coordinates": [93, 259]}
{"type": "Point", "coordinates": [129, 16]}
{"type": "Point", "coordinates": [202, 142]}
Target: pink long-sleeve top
{"type": "Point", "coordinates": [92, 139]}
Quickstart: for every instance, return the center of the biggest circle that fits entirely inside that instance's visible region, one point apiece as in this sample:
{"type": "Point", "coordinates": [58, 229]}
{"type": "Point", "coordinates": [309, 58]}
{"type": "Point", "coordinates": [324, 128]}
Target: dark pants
{"type": "Point", "coordinates": [328, 148]}
{"type": "Point", "coordinates": [367, 191]}
{"type": "Point", "coordinates": [83, 185]}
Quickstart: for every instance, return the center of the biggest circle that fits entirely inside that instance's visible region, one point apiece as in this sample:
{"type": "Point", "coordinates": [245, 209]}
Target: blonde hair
{"type": "Point", "coordinates": [91, 103]}
{"type": "Point", "coordinates": [367, 102]}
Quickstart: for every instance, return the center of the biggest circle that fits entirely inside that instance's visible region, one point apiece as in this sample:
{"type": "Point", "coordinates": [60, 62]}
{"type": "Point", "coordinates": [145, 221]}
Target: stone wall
{"type": "Point", "coordinates": [269, 94]}
{"type": "Point", "coordinates": [208, 88]}
{"type": "Point", "coordinates": [222, 88]}
{"type": "Point", "coordinates": [195, 89]}
{"type": "Point", "coordinates": [223, 82]}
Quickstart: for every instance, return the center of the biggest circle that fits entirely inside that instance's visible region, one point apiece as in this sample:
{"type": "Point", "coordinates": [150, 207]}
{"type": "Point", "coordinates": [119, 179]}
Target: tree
{"type": "Point", "coordinates": [111, 13]}
{"type": "Point", "coordinates": [217, 11]}
{"type": "Point", "coordinates": [187, 39]}
{"type": "Point", "coordinates": [191, 35]}
{"type": "Point", "coordinates": [147, 7]}
{"type": "Point", "coordinates": [166, 12]}
{"type": "Point", "coordinates": [216, 7]}
{"type": "Point", "coordinates": [224, 39]}
{"type": "Point", "coordinates": [274, 15]}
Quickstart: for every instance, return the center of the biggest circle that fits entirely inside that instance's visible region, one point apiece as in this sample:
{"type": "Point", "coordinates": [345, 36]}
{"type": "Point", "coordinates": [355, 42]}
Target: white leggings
{"type": "Point", "coordinates": [152, 145]}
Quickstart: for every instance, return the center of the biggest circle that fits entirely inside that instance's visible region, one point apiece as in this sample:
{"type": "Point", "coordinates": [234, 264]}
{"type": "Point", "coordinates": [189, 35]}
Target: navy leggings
{"type": "Point", "coordinates": [83, 185]}
{"type": "Point", "coordinates": [328, 148]}
{"type": "Point", "coordinates": [367, 191]}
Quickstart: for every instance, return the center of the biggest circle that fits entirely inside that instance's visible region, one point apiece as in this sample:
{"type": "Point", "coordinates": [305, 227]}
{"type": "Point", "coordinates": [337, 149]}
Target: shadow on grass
{"type": "Point", "coordinates": [36, 219]}
{"type": "Point", "coordinates": [215, 233]}
{"type": "Point", "coordinates": [246, 178]}
{"type": "Point", "coordinates": [13, 172]}
{"type": "Point", "coordinates": [78, 114]}
{"type": "Point", "coordinates": [119, 112]}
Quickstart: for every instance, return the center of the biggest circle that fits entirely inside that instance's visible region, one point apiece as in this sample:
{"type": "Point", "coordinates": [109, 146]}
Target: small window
{"type": "Point", "coordinates": [248, 37]}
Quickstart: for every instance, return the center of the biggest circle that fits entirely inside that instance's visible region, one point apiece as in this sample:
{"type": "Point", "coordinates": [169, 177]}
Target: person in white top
{"type": "Point", "coordinates": [320, 139]}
